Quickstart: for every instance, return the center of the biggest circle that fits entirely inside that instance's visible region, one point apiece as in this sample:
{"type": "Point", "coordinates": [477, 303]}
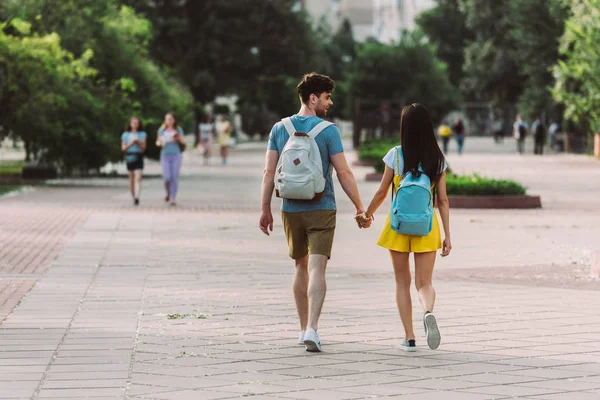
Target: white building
{"type": "Point", "coordinates": [382, 19]}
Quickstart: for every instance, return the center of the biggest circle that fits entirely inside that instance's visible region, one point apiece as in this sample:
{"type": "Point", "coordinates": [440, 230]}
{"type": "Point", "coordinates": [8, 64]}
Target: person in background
{"type": "Point", "coordinates": [539, 132]}
{"type": "Point", "coordinates": [133, 144]}
{"type": "Point", "coordinates": [553, 130]}
{"type": "Point", "coordinates": [520, 133]}
{"type": "Point", "coordinates": [445, 132]}
{"type": "Point", "coordinates": [224, 128]}
{"type": "Point", "coordinates": [498, 129]}
{"type": "Point", "coordinates": [459, 132]}
{"type": "Point", "coordinates": [171, 140]}
{"type": "Point", "coordinates": [207, 132]}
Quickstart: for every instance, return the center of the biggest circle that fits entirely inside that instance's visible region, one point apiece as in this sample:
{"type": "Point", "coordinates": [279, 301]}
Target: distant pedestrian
{"type": "Point", "coordinates": [224, 128]}
{"type": "Point", "coordinates": [459, 133]}
{"type": "Point", "coordinates": [520, 133]}
{"type": "Point", "coordinates": [445, 133]}
{"type": "Point", "coordinates": [207, 133]}
{"type": "Point", "coordinates": [539, 134]}
{"type": "Point", "coordinates": [498, 129]}
{"type": "Point", "coordinates": [171, 139]}
{"type": "Point", "coordinates": [133, 144]}
{"type": "Point", "coordinates": [553, 131]}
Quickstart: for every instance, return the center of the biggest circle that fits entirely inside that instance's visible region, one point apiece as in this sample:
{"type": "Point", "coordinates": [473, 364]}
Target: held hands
{"type": "Point", "coordinates": [362, 220]}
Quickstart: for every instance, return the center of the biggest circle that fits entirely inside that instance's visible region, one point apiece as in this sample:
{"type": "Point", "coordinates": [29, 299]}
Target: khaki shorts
{"type": "Point", "coordinates": [309, 232]}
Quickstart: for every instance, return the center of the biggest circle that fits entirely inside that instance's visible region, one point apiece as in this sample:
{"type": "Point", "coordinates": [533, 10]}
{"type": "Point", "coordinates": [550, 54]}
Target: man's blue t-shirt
{"type": "Point", "coordinates": [128, 137]}
{"type": "Point", "coordinates": [329, 142]}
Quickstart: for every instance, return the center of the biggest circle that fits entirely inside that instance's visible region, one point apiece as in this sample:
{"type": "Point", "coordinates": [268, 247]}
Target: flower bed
{"type": "Point", "coordinates": [465, 191]}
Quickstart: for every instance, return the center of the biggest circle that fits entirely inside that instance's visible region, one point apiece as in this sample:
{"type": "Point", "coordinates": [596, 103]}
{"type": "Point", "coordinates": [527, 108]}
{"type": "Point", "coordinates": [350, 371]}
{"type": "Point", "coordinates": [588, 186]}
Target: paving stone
{"type": "Point", "coordinates": [87, 283]}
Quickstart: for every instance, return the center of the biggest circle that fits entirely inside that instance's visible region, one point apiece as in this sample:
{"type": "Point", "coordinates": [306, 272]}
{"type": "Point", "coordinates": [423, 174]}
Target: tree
{"type": "Point", "coordinates": [114, 41]}
{"type": "Point", "coordinates": [577, 75]}
{"type": "Point", "coordinates": [48, 95]}
{"type": "Point", "coordinates": [537, 26]}
{"type": "Point", "coordinates": [408, 71]}
{"type": "Point", "coordinates": [491, 72]}
{"type": "Point", "coordinates": [445, 25]}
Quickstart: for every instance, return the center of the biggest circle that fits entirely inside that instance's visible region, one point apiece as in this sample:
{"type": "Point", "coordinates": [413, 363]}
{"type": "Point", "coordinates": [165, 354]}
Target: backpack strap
{"type": "Point", "coordinates": [320, 127]}
{"type": "Point", "coordinates": [289, 126]}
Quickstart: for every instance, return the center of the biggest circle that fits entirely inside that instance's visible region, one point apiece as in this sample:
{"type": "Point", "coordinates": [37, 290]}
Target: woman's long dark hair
{"type": "Point", "coordinates": [140, 126]}
{"type": "Point", "coordinates": [419, 145]}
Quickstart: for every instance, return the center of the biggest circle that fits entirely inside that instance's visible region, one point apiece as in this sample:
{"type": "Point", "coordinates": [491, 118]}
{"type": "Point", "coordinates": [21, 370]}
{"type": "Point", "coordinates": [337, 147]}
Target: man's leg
{"type": "Point", "coordinates": [301, 291]}
{"type": "Point", "coordinates": [317, 288]}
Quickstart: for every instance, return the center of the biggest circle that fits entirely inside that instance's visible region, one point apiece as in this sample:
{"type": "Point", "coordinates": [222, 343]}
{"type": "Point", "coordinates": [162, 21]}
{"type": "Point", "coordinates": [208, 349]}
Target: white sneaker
{"type": "Point", "coordinates": [432, 332]}
{"type": "Point", "coordinates": [312, 341]}
{"type": "Point", "coordinates": [301, 338]}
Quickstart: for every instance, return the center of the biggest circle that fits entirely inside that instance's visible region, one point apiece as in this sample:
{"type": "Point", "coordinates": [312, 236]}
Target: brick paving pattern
{"type": "Point", "coordinates": [193, 303]}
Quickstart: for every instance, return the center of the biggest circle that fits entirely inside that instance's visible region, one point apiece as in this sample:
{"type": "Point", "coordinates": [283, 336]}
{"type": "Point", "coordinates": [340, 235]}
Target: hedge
{"type": "Point", "coordinates": [469, 185]}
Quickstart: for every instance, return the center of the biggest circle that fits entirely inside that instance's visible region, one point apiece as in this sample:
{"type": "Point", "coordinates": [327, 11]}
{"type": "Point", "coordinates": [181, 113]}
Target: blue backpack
{"type": "Point", "coordinates": [412, 206]}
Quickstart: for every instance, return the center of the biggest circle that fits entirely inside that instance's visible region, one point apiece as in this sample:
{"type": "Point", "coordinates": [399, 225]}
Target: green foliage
{"type": "Point", "coordinates": [578, 73]}
{"type": "Point", "coordinates": [475, 185]}
{"type": "Point", "coordinates": [515, 44]}
{"type": "Point", "coordinates": [491, 72]}
{"type": "Point", "coordinates": [5, 189]}
{"type": "Point", "coordinates": [11, 167]}
{"type": "Point", "coordinates": [408, 71]}
{"type": "Point", "coordinates": [537, 26]}
{"type": "Point", "coordinates": [445, 25]}
{"type": "Point", "coordinates": [469, 185]}
{"type": "Point", "coordinates": [74, 81]}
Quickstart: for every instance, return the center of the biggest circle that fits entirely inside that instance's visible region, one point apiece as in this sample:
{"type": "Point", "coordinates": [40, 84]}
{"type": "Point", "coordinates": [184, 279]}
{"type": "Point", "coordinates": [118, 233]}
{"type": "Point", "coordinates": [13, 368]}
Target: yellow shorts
{"type": "Point", "coordinates": [309, 232]}
{"type": "Point", "coordinates": [394, 241]}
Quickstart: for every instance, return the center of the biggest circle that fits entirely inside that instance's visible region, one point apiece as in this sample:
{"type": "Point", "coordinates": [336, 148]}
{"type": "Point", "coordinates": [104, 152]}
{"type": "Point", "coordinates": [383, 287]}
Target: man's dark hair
{"type": "Point", "coordinates": [314, 84]}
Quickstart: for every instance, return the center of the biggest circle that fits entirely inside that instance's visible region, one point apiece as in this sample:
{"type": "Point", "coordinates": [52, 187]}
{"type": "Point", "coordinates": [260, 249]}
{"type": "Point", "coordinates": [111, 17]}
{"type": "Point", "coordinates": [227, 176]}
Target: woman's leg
{"type": "Point", "coordinates": [132, 183]}
{"type": "Point", "coordinates": [401, 264]}
{"type": "Point", "coordinates": [166, 170]}
{"type": "Point", "coordinates": [424, 263]}
{"type": "Point", "coordinates": [224, 154]}
{"type": "Point", "coordinates": [175, 167]}
{"type": "Point", "coordinates": [137, 183]}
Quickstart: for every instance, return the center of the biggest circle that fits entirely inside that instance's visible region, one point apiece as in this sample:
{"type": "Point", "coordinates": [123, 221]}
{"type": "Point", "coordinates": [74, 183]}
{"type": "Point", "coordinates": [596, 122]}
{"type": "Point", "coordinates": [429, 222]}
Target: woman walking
{"type": "Point", "coordinates": [171, 139]}
{"type": "Point", "coordinates": [207, 132]}
{"type": "Point", "coordinates": [133, 144]}
{"type": "Point", "coordinates": [224, 129]}
{"type": "Point", "coordinates": [419, 156]}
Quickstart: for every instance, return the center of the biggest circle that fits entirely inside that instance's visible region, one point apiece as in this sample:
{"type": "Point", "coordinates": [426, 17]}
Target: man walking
{"type": "Point", "coordinates": [539, 131]}
{"type": "Point", "coordinates": [309, 225]}
{"type": "Point", "coordinates": [520, 133]}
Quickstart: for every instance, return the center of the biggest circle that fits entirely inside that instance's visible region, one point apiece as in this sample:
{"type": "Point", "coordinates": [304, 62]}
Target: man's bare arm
{"type": "Point", "coordinates": [347, 180]}
{"type": "Point", "coordinates": [268, 185]}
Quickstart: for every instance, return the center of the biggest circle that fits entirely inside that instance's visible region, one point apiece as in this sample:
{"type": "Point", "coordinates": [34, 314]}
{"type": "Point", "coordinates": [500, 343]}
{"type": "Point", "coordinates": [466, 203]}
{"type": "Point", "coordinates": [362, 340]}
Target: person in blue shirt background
{"type": "Point", "coordinates": [171, 140]}
{"type": "Point", "coordinates": [133, 144]}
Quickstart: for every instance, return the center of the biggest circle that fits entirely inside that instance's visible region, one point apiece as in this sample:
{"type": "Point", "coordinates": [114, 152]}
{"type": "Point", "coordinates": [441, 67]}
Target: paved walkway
{"type": "Point", "coordinates": [101, 300]}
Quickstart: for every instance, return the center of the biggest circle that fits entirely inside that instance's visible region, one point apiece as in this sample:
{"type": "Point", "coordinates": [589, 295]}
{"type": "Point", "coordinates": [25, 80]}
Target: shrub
{"type": "Point", "coordinates": [469, 185]}
{"type": "Point", "coordinates": [475, 185]}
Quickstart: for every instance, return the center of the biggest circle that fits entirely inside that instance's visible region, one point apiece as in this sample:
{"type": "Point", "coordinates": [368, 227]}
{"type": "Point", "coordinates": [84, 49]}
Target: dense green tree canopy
{"type": "Point", "coordinates": [577, 75]}
{"type": "Point", "coordinates": [445, 25]}
{"type": "Point", "coordinates": [122, 79]}
{"type": "Point", "coordinates": [407, 71]}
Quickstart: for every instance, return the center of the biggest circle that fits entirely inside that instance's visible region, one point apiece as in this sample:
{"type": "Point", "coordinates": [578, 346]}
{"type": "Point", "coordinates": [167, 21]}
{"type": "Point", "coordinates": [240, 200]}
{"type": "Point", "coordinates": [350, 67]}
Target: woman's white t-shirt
{"type": "Point", "coordinates": [390, 161]}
